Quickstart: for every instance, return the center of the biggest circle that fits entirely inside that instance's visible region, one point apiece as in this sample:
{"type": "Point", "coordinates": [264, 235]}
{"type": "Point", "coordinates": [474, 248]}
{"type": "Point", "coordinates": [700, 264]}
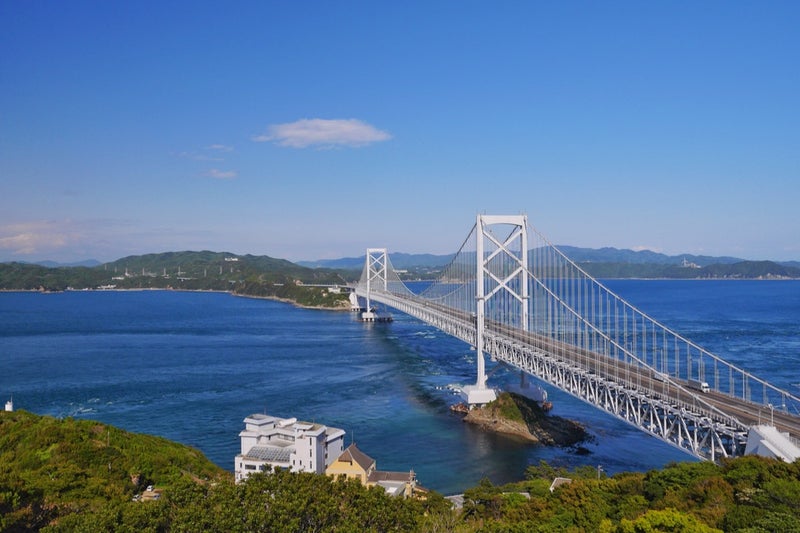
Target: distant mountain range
{"type": "Point", "coordinates": [616, 255]}
{"type": "Point", "coordinates": [224, 271]}
{"type": "Point", "coordinates": [577, 254]}
{"type": "Point", "coordinates": [398, 259]}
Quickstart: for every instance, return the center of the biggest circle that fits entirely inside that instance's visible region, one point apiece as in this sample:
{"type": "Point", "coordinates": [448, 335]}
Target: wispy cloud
{"type": "Point", "coordinates": [220, 148]}
{"type": "Point", "coordinates": [102, 239]}
{"type": "Point", "coordinates": [196, 156]}
{"type": "Point", "coordinates": [323, 133]}
{"type": "Point", "coordinates": [221, 174]}
{"type": "Point", "coordinates": [212, 152]}
{"type": "Point", "coordinates": [32, 237]}
{"type": "Point", "coordinates": [38, 237]}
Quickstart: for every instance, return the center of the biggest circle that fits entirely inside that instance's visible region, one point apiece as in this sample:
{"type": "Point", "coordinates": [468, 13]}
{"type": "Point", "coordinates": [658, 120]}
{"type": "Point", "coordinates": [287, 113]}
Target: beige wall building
{"type": "Point", "coordinates": [355, 464]}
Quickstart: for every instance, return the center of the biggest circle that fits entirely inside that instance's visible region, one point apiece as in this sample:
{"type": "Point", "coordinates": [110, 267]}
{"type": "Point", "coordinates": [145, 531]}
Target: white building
{"type": "Point", "coordinates": [269, 441]}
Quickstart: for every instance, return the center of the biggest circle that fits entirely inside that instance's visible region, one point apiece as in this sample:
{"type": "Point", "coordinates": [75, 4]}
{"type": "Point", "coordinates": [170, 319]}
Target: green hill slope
{"type": "Point", "coordinates": [52, 467]}
{"type": "Point", "coordinates": [79, 475]}
{"type": "Point", "coordinates": [246, 275]}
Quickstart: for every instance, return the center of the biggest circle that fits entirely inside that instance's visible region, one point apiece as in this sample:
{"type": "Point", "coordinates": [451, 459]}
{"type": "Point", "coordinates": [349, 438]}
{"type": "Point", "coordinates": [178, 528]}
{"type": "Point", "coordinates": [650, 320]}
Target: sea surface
{"type": "Point", "coordinates": [189, 366]}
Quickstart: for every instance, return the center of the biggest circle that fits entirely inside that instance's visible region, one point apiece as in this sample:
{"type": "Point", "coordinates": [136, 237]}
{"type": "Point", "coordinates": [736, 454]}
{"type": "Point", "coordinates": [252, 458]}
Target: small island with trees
{"type": "Point", "coordinates": [520, 417]}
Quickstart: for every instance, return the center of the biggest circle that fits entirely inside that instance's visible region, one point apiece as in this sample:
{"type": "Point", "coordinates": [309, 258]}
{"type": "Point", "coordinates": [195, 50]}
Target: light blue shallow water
{"type": "Point", "coordinates": [191, 366]}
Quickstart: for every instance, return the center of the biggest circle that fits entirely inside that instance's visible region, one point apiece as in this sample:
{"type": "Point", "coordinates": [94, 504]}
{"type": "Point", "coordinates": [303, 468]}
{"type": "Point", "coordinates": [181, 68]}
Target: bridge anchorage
{"type": "Point", "coordinates": [515, 297]}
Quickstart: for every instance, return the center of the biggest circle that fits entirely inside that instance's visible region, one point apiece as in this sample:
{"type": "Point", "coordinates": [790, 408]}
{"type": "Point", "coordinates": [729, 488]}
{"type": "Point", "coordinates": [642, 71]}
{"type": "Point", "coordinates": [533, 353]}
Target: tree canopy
{"type": "Point", "coordinates": [78, 475]}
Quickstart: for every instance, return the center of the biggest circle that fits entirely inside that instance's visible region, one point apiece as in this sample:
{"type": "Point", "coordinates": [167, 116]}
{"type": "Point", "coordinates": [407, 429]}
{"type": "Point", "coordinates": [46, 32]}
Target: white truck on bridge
{"type": "Point", "coordinates": [696, 384]}
{"type": "Point", "coordinates": [660, 376]}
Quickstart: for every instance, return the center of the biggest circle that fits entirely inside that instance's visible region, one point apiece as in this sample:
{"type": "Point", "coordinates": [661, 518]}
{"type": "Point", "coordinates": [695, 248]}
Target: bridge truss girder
{"type": "Point", "coordinates": [686, 425]}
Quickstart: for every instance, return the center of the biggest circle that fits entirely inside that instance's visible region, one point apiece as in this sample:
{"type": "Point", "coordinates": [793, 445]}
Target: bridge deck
{"type": "Point", "coordinates": [685, 417]}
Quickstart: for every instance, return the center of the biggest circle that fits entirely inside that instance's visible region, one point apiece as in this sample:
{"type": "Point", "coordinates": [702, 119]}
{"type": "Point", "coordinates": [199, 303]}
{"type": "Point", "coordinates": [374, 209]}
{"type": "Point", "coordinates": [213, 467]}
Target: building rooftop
{"type": "Point", "coordinates": [270, 453]}
{"type": "Point", "coordinates": [333, 433]}
{"type": "Point", "coordinates": [392, 488]}
{"type": "Point", "coordinates": [259, 419]}
{"type": "Point", "coordinates": [353, 455]}
{"type": "Point", "coordinates": [381, 477]}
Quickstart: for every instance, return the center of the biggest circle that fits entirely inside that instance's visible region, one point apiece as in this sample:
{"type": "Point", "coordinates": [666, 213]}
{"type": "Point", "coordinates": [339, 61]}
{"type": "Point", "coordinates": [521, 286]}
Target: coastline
{"type": "Point", "coordinates": [612, 448]}
{"type": "Point", "coordinates": [343, 307]}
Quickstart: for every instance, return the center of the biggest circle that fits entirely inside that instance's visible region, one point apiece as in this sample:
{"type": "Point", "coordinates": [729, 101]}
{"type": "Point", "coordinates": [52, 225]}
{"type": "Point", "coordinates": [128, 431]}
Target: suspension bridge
{"type": "Point", "coordinates": [516, 298]}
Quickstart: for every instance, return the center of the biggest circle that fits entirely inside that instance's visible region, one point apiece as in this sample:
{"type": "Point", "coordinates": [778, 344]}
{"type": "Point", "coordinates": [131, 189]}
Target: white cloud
{"type": "Point", "coordinates": [67, 240]}
{"type": "Point", "coordinates": [27, 238]}
{"type": "Point", "coordinates": [198, 157]}
{"type": "Point", "coordinates": [220, 148]}
{"type": "Point", "coordinates": [325, 133]}
{"type": "Point", "coordinates": [221, 174]}
{"type": "Point", "coordinates": [212, 152]}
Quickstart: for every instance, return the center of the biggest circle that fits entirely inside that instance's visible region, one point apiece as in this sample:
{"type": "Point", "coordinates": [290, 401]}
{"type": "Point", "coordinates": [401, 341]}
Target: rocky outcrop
{"type": "Point", "coordinates": [513, 414]}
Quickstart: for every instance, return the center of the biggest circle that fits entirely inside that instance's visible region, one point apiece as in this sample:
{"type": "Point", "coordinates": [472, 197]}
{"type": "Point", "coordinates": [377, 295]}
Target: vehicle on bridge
{"type": "Point", "coordinates": [696, 384]}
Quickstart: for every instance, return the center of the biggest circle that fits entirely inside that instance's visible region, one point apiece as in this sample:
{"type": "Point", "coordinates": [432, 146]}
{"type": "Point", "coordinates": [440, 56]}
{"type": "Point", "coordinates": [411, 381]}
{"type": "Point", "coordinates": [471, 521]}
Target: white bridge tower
{"type": "Point", "coordinates": [499, 282]}
{"type": "Point", "coordinates": [377, 265]}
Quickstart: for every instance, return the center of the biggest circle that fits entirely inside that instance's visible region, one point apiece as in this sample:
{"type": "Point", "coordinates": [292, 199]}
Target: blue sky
{"type": "Point", "coordinates": [308, 130]}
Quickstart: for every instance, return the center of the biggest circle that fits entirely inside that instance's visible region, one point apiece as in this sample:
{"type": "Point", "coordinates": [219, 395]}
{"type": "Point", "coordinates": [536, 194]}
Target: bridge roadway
{"type": "Point", "coordinates": [723, 407]}
{"type": "Point", "coordinates": [727, 415]}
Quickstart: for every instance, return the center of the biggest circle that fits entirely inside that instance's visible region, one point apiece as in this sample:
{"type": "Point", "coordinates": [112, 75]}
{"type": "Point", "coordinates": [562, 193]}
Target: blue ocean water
{"type": "Point", "coordinates": [190, 366]}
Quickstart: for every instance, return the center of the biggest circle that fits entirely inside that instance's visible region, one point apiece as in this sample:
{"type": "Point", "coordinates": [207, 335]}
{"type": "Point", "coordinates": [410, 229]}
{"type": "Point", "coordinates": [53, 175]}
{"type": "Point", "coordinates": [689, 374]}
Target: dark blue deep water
{"type": "Point", "coordinates": [191, 366]}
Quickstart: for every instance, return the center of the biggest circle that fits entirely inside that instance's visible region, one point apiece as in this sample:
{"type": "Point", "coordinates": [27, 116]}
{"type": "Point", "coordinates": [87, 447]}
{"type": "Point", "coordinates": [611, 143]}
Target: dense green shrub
{"type": "Point", "coordinates": [78, 475]}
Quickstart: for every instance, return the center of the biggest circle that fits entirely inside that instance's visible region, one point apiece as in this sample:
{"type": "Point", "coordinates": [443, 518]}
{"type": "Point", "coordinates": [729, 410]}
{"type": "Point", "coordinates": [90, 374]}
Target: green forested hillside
{"type": "Point", "coordinates": [270, 277]}
{"type": "Point", "coordinates": [79, 475]}
{"type": "Point", "coordinates": [740, 270]}
{"type": "Point", "coordinates": [246, 275]}
{"type": "Point", "coordinates": [70, 475]}
{"type": "Point", "coordinates": [52, 467]}
{"type": "Point", "coordinates": [748, 494]}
